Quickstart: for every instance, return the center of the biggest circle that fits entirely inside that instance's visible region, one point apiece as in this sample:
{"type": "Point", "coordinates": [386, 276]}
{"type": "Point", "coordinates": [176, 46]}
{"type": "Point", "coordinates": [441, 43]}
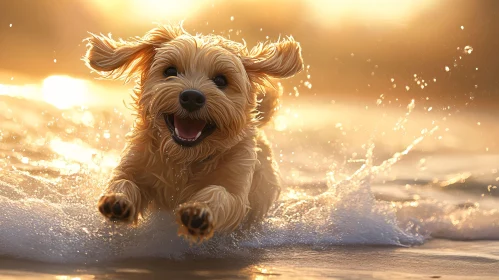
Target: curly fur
{"type": "Point", "coordinates": [232, 171]}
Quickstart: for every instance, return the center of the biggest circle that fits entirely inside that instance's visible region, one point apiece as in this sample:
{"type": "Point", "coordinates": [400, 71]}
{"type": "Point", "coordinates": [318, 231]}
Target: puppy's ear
{"type": "Point", "coordinates": [118, 59]}
{"type": "Point", "coordinates": [280, 60]}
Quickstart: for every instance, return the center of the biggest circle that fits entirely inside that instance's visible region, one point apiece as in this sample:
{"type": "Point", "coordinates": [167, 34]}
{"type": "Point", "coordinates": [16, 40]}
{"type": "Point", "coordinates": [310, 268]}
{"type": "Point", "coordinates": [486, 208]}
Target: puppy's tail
{"type": "Point", "coordinates": [268, 102]}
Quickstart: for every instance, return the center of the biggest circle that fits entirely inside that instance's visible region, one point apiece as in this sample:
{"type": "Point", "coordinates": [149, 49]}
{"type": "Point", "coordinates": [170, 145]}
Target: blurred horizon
{"type": "Point", "coordinates": [436, 52]}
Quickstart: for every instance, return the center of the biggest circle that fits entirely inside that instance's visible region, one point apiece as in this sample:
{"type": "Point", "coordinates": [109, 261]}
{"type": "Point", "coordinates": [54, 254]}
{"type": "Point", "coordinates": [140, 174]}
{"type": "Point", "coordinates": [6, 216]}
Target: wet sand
{"type": "Point", "coordinates": [437, 259]}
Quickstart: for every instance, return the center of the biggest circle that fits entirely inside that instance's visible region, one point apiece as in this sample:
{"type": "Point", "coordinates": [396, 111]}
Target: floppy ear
{"type": "Point", "coordinates": [280, 60]}
{"type": "Point", "coordinates": [118, 59]}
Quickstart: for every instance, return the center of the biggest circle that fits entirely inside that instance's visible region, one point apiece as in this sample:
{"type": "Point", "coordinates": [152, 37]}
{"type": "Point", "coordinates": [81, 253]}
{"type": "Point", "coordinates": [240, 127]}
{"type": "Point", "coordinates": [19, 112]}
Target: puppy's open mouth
{"type": "Point", "coordinates": [186, 131]}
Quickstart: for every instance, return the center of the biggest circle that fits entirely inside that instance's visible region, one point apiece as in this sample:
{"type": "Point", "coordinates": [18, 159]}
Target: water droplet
{"type": "Point", "coordinates": [55, 60]}
{"type": "Point", "coordinates": [392, 79]}
{"type": "Point", "coordinates": [411, 105]}
{"type": "Point", "coordinates": [468, 49]}
{"type": "Point", "coordinates": [447, 69]}
{"type": "Point", "coordinates": [478, 123]}
{"type": "Point", "coordinates": [232, 18]}
{"type": "Point", "coordinates": [10, 25]}
{"type": "Point", "coordinates": [352, 54]}
{"type": "Point", "coordinates": [429, 109]}
{"type": "Point", "coordinates": [462, 27]}
{"type": "Point", "coordinates": [379, 101]}
{"type": "Point", "coordinates": [476, 86]}
{"type": "Point", "coordinates": [407, 88]}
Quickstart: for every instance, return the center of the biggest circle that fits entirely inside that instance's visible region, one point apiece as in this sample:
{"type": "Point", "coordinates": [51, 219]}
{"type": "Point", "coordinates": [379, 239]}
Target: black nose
{"type": "Point", "coordinates": [192, 100]}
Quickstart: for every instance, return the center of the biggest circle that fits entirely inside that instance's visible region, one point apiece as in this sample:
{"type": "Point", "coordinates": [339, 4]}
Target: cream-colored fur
{"type": "Point", "coordinates": [230, 178]}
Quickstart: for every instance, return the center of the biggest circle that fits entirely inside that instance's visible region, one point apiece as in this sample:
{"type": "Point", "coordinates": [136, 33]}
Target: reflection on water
{"type": "Point", "coordinates": [64, 92]}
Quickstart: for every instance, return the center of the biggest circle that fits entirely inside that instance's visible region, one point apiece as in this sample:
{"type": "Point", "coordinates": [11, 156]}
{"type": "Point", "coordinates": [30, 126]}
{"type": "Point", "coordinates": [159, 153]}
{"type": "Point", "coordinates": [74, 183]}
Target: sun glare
{"type": "Point", "coordinates": [64, 92]}
{"type": "Point", "coordinates": [156, 10]}
{"type": "Point", "coordinates": [26, 91]}
{"type": "Point", "coordinates": [382, 10]}
{"type": "Point", "coordinates": [160, 9]}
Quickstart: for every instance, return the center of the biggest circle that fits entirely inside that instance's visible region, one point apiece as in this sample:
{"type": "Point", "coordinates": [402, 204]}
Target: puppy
{"type": "Point", "coordinates": [196, 147]}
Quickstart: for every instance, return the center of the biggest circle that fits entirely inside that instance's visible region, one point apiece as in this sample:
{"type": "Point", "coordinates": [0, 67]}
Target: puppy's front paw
{"type": "Point", "coordinates": [116, 207]}
{"type": "Point", "coordinates": [195, 221]}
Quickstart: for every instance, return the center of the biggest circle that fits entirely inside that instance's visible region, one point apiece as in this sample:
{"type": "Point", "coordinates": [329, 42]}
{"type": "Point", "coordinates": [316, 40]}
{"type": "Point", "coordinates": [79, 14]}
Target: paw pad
{"type": "Point", "coordinates": [196, 221]}
{"type": "Point", "coordinates": [116, 208]}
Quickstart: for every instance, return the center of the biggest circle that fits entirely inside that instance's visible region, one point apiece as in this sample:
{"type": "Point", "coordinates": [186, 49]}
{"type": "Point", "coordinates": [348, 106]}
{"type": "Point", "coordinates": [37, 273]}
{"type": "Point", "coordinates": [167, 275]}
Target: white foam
{"type": "Point", "coordinates": [62, 230]}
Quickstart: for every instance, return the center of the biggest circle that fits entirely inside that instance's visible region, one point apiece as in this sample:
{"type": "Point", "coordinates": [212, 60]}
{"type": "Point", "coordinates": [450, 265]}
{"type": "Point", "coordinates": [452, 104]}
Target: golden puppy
{"type": "Point", "coordinates": [195, 147]}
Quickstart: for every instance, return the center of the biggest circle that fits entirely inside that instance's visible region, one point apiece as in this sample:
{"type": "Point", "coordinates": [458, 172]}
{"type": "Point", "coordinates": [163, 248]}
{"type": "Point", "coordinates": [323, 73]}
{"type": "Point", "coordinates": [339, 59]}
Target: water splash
{"type": "Point", "coordinates": [48, 212]}
{"type": "Point", "coordinates": [468, 49]}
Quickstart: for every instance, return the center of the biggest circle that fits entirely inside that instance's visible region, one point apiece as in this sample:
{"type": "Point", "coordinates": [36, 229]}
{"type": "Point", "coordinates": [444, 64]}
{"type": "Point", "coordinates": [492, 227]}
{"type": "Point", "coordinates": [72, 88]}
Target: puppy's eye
{"type": "Point", "coordinates": [170, 71]}
{"type": "Point", "coordinates": [220, 81]}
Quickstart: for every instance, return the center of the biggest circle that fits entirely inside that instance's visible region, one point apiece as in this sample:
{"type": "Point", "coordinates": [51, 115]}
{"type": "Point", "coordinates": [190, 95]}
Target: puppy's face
{"type": "Point", "coordinates": [199, 96]}
{"type": "Point", "coordinates": [196, 95]}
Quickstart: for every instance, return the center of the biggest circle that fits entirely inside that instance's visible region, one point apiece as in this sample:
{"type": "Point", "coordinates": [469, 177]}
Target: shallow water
{"type": "Point", "coordinates": [435, 259]}
{"type": "Point", "coordinates": [394, 178]}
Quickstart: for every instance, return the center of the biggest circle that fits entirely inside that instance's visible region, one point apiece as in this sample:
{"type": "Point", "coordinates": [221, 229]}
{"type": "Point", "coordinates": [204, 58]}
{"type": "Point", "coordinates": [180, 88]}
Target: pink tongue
{"type": "Point", "coordinates": [188, 128]}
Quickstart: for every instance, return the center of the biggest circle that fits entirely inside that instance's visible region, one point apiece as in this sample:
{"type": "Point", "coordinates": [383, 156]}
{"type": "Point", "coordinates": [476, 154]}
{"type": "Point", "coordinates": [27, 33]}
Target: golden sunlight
{"type": "Point", "coordinates": [161, 9]}
{"type": "Point", "coordinates": [82, 153]}
{"type": "Point", "coordinates": [64, 92]}
{"type": "Point", "coordinates": [27, 91]}
{"type": "Point", "coordinates": [280, 123]}
{"type": "Point", "coordinates": [384, 10]}
{"type": "Point", "coordinates": [156, 10]}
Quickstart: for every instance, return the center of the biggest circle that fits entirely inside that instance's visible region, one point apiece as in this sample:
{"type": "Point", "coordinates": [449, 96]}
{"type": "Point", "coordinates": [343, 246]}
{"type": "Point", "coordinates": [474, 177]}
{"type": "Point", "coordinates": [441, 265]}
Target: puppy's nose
{"type": "Point", "coordinates": [192, 100]}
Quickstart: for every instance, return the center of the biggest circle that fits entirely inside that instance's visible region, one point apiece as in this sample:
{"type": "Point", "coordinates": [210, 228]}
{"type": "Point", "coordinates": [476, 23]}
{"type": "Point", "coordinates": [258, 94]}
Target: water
{"type": "Point", "coordinates": [344, 186]}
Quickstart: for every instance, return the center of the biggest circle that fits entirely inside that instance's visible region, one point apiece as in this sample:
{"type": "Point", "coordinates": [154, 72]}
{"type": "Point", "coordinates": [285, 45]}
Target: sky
{"type": "Point", "coordinates": [356, 50]}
